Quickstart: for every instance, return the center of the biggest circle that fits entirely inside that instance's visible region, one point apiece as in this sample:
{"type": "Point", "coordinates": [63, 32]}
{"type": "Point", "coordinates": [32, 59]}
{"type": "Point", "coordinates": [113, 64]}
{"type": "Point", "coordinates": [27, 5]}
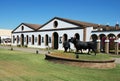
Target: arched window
{"type": "Point", "coordinates": [22, 28]}
{"type": "Point", "coordinates": [55, 24]}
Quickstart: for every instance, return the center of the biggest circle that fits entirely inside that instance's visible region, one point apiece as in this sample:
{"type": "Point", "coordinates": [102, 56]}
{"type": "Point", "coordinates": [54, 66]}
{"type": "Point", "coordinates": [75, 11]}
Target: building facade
{"type": "Point", "coordinates": [57, 30]}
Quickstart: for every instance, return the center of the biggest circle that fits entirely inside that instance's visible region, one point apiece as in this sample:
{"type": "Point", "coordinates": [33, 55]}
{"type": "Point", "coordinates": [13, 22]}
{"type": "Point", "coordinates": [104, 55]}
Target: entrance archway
{"type": "Point", "coordinates": [55, 40]}
{"type": "Point", "coordinates": [22, 40]}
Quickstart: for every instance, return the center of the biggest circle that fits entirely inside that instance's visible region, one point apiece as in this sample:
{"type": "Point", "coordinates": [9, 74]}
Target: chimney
{"type": "Point", "coordinates": [99, 27]}
{"type": "Point", "coordinates": [107, 27]}
{"type": "Point", "coordinates": [117, 26]}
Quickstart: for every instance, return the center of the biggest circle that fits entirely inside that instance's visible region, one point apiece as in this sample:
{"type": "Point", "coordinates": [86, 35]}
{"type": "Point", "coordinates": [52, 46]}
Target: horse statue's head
{"type": "Point", "coordinates": [73, 40]}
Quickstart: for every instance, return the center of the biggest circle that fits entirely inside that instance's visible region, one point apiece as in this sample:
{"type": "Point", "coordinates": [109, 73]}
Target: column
{"type": "Point", "coordinates": [107, 45]}
{"type": "Point", "coordinates": [98, 46]}
{"type": "Point", "coordinates": [116, 47]}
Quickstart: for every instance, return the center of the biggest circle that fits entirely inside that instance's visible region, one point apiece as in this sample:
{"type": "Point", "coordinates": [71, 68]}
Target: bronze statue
{"type": "Point", "coordinates": [79, 45]}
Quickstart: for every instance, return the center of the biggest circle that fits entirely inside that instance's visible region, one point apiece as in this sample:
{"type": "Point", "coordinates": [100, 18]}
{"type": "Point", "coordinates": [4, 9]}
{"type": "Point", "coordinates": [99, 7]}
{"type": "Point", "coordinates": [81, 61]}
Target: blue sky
{"type": "Point", "coordinates": [14, 12]}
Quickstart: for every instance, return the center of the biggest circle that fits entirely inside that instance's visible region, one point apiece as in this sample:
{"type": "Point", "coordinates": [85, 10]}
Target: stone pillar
{"type": "Point", "coordinates": [116, 47]}
{"type": "Point", "coordinates": [98, 46]}
{"type": "Point", "coordinates": [84, 34]}
{"type": "Point", "coordinates": [107, 45]}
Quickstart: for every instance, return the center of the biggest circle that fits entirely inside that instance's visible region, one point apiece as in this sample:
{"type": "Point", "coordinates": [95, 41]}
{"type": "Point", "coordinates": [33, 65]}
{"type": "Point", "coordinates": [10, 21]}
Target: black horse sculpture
{"type": "Point", "coordinates": [66, 45]}
{"type": "Point", "coordinates": [79, 45]}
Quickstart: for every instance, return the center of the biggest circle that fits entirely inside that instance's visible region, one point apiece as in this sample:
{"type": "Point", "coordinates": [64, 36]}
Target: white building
{"type": "Point", "coordinates": [5, 36]}
{"type": "Point", "coordinates": [54, 32]}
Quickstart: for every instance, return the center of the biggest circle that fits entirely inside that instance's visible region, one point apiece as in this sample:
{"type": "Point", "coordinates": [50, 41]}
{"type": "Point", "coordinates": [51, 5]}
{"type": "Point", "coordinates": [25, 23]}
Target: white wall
{"type": "Point", "coordinates": [88, 33]}
{"type": "Point", "coordinates": [70, 33]}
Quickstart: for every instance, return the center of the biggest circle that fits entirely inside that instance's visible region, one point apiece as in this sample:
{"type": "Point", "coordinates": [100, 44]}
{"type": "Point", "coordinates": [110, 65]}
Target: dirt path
{"type": "Point", "coordinates": [30, 50]}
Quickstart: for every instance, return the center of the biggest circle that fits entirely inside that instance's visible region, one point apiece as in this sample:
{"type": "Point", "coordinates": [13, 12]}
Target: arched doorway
{"type": "Point", "coordinates": [32, 39]}
{"type": "Point", "coordinates": [102, 42]}
{"type": "Point", "coordinates": [17, 39]}
{"type": "Point", "coordinates": [111, 38]}
{"type": "Point", "coordinates": [46, 40]}
{"type": "Point", "coordinates": [77, 36]}
{"type": "Point", "coordinates": [55, 40]}
{"type": "Point", "coordinates": [22, 40]}
{"type": "Point", "coordinates": [39, 39]}
{"type": "Point", "coordinates": [27, 39]}
{"type": "Point", "coordinates": [65, 37]}
{"type": "Point", "coordinates": [94, 39]}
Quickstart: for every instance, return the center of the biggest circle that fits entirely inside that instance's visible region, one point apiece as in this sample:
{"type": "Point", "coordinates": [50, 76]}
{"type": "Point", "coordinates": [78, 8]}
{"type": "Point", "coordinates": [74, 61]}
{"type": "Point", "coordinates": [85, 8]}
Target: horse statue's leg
{"type": "Point", "coordinates": [69, 49]}
{"type": "Point", "coordinates": [81, 51]}
{"type": "Point", "coordinates": [76, 51]}
{"type": "Point", "coordinates": [94, 51]}
{"type": "Point", "coordinates": [88, 51]}
{"type": "Point", "coordinates": [65, 49]}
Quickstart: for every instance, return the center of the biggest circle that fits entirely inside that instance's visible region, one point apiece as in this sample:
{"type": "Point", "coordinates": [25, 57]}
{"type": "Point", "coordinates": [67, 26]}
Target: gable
{"type": "Point", "coordinates": [23, 27]}
{"type": "Point", "coordinates": [57, 24]}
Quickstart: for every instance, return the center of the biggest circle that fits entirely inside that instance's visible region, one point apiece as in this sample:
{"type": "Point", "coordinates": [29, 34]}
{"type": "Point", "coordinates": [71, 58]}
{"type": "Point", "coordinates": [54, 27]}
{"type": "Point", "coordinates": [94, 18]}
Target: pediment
{"type": "Point", "coordinates": [57, 24]}
{"type": "Point", "coordinates": [23, 27]}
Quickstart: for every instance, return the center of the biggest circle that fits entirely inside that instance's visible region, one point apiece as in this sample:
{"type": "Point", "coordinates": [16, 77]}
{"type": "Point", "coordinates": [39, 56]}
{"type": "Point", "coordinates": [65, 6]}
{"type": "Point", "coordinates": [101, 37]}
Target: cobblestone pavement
{"type": "Point", "coordinates": [30, 50]}
{"type": "Point", "coordinates": [33, 50]}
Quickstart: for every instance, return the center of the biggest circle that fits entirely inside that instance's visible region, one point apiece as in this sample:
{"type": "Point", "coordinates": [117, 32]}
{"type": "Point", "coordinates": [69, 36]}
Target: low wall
{"type": "Point", "coordinates": [81, 63]}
